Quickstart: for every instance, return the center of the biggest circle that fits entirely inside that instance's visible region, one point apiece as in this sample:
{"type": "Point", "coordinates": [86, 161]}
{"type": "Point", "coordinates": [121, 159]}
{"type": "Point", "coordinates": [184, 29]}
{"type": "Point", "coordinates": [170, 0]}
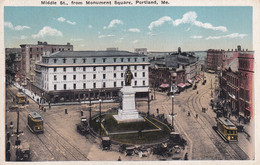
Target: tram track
{"type": "Point", "coordinates": [225, 149]}
{"type": "Point", "coordinates": [62, 148]}
{"type": "Point", "coordinates": [207, 128]}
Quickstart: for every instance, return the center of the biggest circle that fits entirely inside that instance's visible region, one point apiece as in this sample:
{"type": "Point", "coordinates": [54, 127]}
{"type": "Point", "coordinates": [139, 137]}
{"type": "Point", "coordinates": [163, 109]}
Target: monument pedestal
{"type": "Point", "coordinates": [128, 113]}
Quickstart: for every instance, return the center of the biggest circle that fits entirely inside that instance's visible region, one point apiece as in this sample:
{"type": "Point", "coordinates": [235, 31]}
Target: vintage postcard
{"type": "Point", "coordinates": [102, 81]}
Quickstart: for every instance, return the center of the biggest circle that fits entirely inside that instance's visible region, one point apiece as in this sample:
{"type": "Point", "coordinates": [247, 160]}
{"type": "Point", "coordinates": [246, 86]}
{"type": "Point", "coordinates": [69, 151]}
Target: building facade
{"type": "Point", "coordinates": [214, 59]}
{"type": "Point", "coordinates": [13, 60]}
{"type": "Point", "coordinates": [31, 54]}
{"type": "Point", "coordinates": [230, 84]}
{"type": "Point", "coordinates": [83, 75]}
{"type": "Point", "coordinates": [246, 73]}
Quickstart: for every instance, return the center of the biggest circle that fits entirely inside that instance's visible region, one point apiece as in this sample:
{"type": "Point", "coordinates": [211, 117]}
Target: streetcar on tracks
{"type": "Point", "coordinates": [227, 130]}
{"type": "Point", "coordinates": [35, 122]}
{"type": "Point", "coordinates": [20, 98]}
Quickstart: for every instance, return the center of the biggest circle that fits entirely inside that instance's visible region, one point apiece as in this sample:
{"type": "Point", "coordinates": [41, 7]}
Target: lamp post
{"type": "Point", "coordinates": [100, 117]}
{"type": "Point", "coordinates": [148, 101]}
{"type": "Point", "coordinates": [154, 91]}
{"type": "Point", "coordinates": [172, 111]}
{"type": "Point", "coordinates": [90, 119]}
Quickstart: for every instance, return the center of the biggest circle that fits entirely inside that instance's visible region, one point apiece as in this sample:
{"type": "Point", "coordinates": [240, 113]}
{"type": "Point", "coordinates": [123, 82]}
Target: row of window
{"type": "Point", "coordinates": [95, 68]}
{"type": "Point", "coordinates": [53, 49]}
{"type": "Point", "coordinates": [94, 85]}
{"type": "Point", "coordinates": [94, 76]}
{"type": "Point", "coordinates": [104, 60]}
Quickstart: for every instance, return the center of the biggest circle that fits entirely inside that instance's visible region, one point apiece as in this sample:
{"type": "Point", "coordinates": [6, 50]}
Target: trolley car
{"type": "Point", "coordinates": [35, 122]}
{"type": "Point", "coordinates": [227, 130]}
{"type": "Point", "coordinates": [20, 98]}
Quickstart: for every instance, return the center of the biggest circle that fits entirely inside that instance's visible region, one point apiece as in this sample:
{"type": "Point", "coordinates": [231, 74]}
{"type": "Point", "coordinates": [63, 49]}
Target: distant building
{"type": "Point", "coordinates": [13, 59]}
{"type": "Point", "coordinates": [214, 60]}
{"type": "Point", "coordinates": [112, 49]}
{"type": "Point", "coordinates": [141, 51]}
{"type": "Point", "coordinates": [31, 54]}
{"type": "Point", "coordinates": [83, 75]}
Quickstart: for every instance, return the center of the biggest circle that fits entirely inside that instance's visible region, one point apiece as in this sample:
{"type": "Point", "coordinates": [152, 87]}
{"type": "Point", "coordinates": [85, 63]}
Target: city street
{"type": "Point", "coordinates": [60, 140]}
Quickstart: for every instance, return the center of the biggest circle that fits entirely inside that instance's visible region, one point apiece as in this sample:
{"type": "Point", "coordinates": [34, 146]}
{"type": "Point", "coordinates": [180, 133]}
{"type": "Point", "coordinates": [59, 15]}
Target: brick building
{"type": "Point", "coordinates": [246, 72]}
{"type": "Point", "coordinates": [230, 86]}
{"type": "Point", "coordinates": [237, 81]}
{"type": "Point", "coordinates": [31, 54]}
{"type": "Point", "coordinates": [214, 59]}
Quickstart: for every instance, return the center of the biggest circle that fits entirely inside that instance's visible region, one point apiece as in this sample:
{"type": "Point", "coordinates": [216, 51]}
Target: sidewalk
{"type": "Point", "coordinates": [37, 98]}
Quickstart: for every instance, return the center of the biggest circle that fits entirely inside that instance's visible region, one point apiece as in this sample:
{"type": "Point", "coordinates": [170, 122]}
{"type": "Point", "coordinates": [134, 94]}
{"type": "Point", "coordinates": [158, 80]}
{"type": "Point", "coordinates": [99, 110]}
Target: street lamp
{"type": "Point", "coordinates": [90, 108]}
{"type": "Point", "coordinates": [172, 111]}
{"type": "Point", "coordinates": [100, 117]}
{"type": "Point", "coordinates": [148, 101]}
{"type": "Point", "coordinates": [154, 91]}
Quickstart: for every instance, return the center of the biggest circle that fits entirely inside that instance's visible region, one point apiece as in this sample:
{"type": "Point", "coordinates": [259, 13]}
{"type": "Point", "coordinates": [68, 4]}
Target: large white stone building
{"type": "Point", "coordinates": [85, 75]}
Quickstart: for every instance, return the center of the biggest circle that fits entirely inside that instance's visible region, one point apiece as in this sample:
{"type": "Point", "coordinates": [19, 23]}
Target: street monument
{"type": "Point", "coordinates": [127, 111]}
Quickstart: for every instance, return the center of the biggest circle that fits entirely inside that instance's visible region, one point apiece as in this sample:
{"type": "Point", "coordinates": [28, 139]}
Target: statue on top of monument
{"type": "Point", "coordinates": [128, 77]}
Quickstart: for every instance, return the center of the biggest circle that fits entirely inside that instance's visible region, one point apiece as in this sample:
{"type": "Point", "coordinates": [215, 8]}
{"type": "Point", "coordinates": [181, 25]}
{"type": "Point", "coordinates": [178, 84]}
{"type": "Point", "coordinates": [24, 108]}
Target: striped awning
{"type": "Point", "coordinates": [182, 85]}
{"type": "Point", "coordinates": [164, 86]}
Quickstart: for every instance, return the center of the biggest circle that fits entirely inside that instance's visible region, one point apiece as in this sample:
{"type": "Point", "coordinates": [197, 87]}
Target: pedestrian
{"type": "Point", "coordinates": [119, 158]}
{"type": "Point", "coordinates": [11, 125]}
{"type": "Point", "coordinates": [66, 111]}
{"type": "Point", "coordinates": [81, 112]}
{"type": "Point", "coordinates": [157, 110]}
{"type": "Point", "coordinates": [8, 146]}
{"type": "Point", "coordinates": [8, 155]}
{"type": "Point", "coordinates": [188, 113]}
{"type": "Point", "coordinates": [49, 105]}
{"type": "Point", "coordinates": [197, 92]}
{"type": "Point", "coordinates": [8, 135]}
{"type": "Point", "coordinates": [152, 97]}
{"type": "Point", "coordinates": [197, 115]}
{"type": "Point", "coordinates": [186, 156]}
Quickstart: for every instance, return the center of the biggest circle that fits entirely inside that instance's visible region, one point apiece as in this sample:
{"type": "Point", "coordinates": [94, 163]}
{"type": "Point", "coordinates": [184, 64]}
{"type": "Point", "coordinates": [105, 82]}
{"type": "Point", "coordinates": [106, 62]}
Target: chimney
{"type": "Point", "coordinates": [246, 49]}
{"type": "Point", "coordinates": [179, 50]}
{"type": "Point", "coordinates": [39, 43]}
{"type": "Point", "coordinates": [239, 48]}
{"type": "Point", "coordinates": [68, 43]}
{"type": "Point", "coordinates": [45, 43]}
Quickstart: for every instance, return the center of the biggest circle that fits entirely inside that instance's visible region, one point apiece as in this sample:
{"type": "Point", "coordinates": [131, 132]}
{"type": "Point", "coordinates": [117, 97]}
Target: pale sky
{"type": "Point", "coordinates": [154, 28]}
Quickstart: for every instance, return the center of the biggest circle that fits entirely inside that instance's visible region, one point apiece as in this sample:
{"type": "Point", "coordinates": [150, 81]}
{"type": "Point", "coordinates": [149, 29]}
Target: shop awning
{"type": "Point", "coordinates": [182, 85]}
{"type": "Point", "coordinates": [164, 86]}
{"type": "Point", "coordinates": [187, 84]}
{"type": "Point", "coordinates": [190, 81]}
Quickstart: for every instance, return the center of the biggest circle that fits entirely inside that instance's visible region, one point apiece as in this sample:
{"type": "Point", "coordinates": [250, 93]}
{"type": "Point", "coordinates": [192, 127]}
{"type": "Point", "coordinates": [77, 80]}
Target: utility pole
{"type": "Point", "coordinates": [148, 101]}
{"type": "Point", "coordinates": [90, 119]}
{"type": "Point", "coordinates": [100, 117]}
{"type": "Point", "coordinates": [172, 111]}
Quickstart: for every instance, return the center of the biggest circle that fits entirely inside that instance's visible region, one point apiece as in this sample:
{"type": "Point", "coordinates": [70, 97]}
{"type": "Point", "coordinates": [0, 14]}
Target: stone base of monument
{"type": "Point", "coordinates": [128, 113]}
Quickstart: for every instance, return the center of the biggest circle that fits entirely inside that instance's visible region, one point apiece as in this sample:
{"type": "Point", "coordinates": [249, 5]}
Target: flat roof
{"type": "Point", "coordinates": [75, 54]}
{"type": "Point", "coordinates": [35, 115]}
{"type": "Point", "coordinates": [227, 122]}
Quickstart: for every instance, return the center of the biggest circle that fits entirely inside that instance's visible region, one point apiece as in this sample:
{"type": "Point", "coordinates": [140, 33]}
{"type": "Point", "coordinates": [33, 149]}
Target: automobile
{"type": "Point", "coordinates": [129, 151]}
{"type": "Point", "coordinates": [82, 128]}
{"type": "Point", "coordinates": [23, 152]}
{"type": "Point", "coordinates": [106, 143]}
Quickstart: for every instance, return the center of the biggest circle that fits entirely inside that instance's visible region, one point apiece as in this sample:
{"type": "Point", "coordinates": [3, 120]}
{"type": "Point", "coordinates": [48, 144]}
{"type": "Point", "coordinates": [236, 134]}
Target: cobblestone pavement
{"type": "Point", "coordinates": [61, 141]}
